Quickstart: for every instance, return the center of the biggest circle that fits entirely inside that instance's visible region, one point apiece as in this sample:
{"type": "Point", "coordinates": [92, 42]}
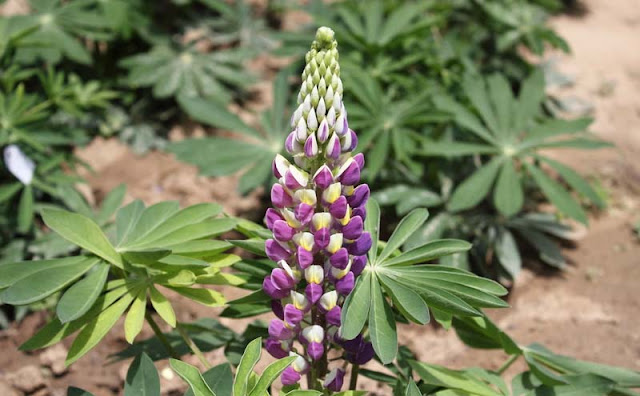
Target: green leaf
{"type": "Point", "coordinates": [408, 302]}
{"type": "Point", "coordinates": [481, 332]}
{"type": "Point", "coordinates": [270, 374]}
{"type": "Point", "coordinates": [508, 253]}
{"type": "Point", "coordinates": [25, 209]}
{"type": "Point", "coordinates": [219, 379]}
{"type": "Point", "coordinates": [440, 376]}
{"type": "Point", "coordinates": [407, 226]}
{"type": "Point", "coordinates": [9, 190]}
{"type": "Point", "coordinates": [208, 297]}
{"type": "Point", "coordinates": [502, 99]}
{"type": "Point", "coordinates": [13, 272]}
{"type": "Point", "coordinates": [412, 389]}
{"type": "Point", "coordinates": [623, 377]}
{"type": "Point", "coordinates": [248, 361]}
{"type": "Point", "coordinates": [126, 219]}
{"type": "Point", "coordinates": [372, 226]}
{"type": "Point", "coordinates": [252, 245]}
{"type": "Point", "coordinates": [191, 376]}
{"type": "Point", "coordinates": [508, 196]}
{"type": "Point", "coordinates": [111, 203]}
{"type": "Point", "coordinates": [454, 149]}
{"type": "Point", "coordinates": [557, 194]}
{"type": "Point", "coordinates": [213, 113]}
{"type": "Point", "coordinates": [147, 257]}
{"type": "Point", "coordinates": [98, 327]}
{"type": "Point", "coordinates": [135, 317]}
{"type": "Point", "coordinates": [80, 297]}
{"type": "Point", "coordinates": [476, 89]}
{"type": "Point", "coordinates": [83, 232]}
{"type": "Point", "coordinates": [73, 391]}
{"type": "Point", "coordinates": [356, 307]}
{"type": "Point", "coordinates": [142, 378]}
{"type": "Point", "coordinates": [471, 191]}
{"type": "Point", "coordinates": [428, 251]}
{"type": "Point", "coordinates": [41, 284]}
{"type": "Point", "coordinates": [576, 181]}
{"type": "Point", "coordinates": [162, 306]}
{"type": "Point", "coordinates": [150, 219]}
{"type": "Point", "coordinates": [583, 385]}
{"type": "Point", "coordinates": [529, 99]}
{"type": "Point", "coordinates": [204, 229]}
{"type": "Point", "coordinates": [382, 325]}
{"type": "Point", "coordinates": [463, 117]}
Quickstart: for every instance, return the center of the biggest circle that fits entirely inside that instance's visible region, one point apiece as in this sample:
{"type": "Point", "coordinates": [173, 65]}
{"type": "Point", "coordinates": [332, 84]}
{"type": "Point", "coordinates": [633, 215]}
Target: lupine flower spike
{"type": "Point", "coordinates": [317, 224]}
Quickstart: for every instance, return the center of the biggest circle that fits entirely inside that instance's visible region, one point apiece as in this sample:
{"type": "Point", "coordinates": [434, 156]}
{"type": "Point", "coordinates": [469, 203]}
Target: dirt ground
{"type": "Point", "coordinates": [590, 311]}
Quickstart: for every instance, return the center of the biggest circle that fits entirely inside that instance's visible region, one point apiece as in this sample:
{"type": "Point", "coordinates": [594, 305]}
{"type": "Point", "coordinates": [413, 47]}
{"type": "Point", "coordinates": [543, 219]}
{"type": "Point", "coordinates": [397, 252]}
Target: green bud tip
{"type": "Point", "coordinates": [325, 39]}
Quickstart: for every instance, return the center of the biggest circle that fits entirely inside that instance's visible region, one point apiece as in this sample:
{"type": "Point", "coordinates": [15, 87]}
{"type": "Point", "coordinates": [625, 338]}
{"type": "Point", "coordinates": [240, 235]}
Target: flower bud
{"type": "Point", "coordinates": [281, 279]}
{"type": "Point", "coordinates": [311, 146]}
{"type": "Point", "coordinates": [361, 246]}
{"type": "Point", "coordinates": [282, 231]}
{"type": "Point", "coordinates": [328, 301]}
{"type": "Point", "coordinates": [338, 209]}
{"type": "Point", "coordinates": [331, 117]}
{"type": "Point", "coordinates": [295, 178]}
{"type": "Point", "coordinates": [334, 148]}
{"type": "Point", "coordinates": [292, 315]}
{"type": "Point", "coordinates": [333, 317]}
{"type": "Point", "coordinates": [301, 131]}
{"type": "Point", "coordinates": [332, 193]}
{"type": "Point", "coordinates": [313, 291]}
{"type": "Point", "coordinates": [335, 243]}
{"type": "Point", "coordinates": [323, 177]}
{"type": "Point", "coordinates": [304, 213]}
{"type": "Point", "coordinates": [279, 331]}
{"type": "Point", "coordinates": [276, 251]}
{"type": "Point", "coordinates": [289, 376]}
{"type": "Point", "coordinates": [280, 197]}
{"type": "Point", "coordinates": [271, 290]}
{"type": "Point", "coordinates": [323, 131]}
{"type": "Point", "coordinates": [271, 217]}
{"type": "Point", "coordinates": [278, 349]}
{"type": "Point", "coordinates": [353, 229]}
{"type": "Point", "coordinates": [357, 264]}
{"type": "Point", "coordinates": [349, 173]}
{"type": "Point", "coordinates": [334, 380]}
{"type": "Point", "coordinates": [304, 257]}
{"type": "Point", "coordinates": [359, 196]}
{"type": "Point", "coordinates": [345, 284]}
{"type": "Point", "coordinates": [314, 274]}
{"type": "Point", "coordinates": [280, 166]}
{"type": "Point", "coordinates": [300, 301]}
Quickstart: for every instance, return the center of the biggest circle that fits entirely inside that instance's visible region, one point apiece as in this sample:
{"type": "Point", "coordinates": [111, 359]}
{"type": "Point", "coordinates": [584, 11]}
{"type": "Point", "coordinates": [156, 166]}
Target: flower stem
{"type": "Point", "coordinates": [353, 382]}
{"type": "Point", "coordinates": [507, 364]}
{"type": "Point", "coordinates": [160, 335]}
{"type": "Point", "coordinates": [194, 348]}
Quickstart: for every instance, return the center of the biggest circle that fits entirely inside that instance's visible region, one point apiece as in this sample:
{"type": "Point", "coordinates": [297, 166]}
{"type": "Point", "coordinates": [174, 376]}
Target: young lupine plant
{"type": "Point", "coordinates": [317, 223]}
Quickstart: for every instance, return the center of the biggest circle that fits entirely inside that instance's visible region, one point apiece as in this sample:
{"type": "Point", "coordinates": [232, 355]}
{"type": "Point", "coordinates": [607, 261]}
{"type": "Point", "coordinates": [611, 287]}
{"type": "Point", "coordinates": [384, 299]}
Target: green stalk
{"type": "Point", "coordinates": [353, 381]}
{"type": "Point", "coordinates": [507, 364]}
{"type": "Point", "coordinates": [194, 348]}
{"type": "Point", "coordinates": [163, 340]}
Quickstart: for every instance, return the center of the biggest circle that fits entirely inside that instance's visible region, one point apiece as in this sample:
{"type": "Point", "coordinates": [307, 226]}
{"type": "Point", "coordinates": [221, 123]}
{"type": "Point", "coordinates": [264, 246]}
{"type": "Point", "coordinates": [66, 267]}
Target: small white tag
{"type": "Point", "coordinates": [21, 166]}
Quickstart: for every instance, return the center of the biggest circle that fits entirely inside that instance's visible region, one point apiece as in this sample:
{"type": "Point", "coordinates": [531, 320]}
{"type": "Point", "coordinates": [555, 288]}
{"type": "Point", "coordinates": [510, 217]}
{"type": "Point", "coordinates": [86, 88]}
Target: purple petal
{"type": "Point", "coordinates": [315, 350]}
{"type": "Point", "coordinates": [360, 196]}
{"type": "Point", "coordinates": [361, 246]}
{"type": "Point", "coordinates": [313, 292]}
{"type": "Point", "coordinates": [282, 231]}
{"type": "Point", "coordinates": [359, 211]}
{"type": "Point", "coordinates": [278, 330]}
{"type": "Point", "coordinates": [305, 257]}
{"type": "Point", "coordinates": [323, 177]}
{"type": "Point", "coordinates": [353, 229]}
{"type": "Point", "coordinates": [357, 264]}
{"type": "Point", "coordinates": [345, 284]}
{"type": "Point", "coordinates": [351, 175]}
{"type": "Point", "coordinates": [333, 316]}
{"type": "Point", "coordinates": [354, 143]}
{"type": "Point", "coordinates": [280, 197]}
{"type": "Point", "coordinates": [276, 307]}
{"type": "Point", "coordinates": [271, 290]}
{"type": "Point", "coordinates": [334, 380]}
{"type": "Point", "coordinates": [340, 259]}
{"type": "Point", "coordinates": [271, 217]}
{"type": "Point", "coordinates": [359, 158]}
{"type": "Point", "coordinates": [289, 376]}
{"type": "Point", "coordinates": [275, 251]}
{"type": "Point", "coordinates": [292, 315]}
{"type": "Point", "coordinates": [274, 347]}
{"type": "Point", "coordinates": [304, 213]}
{"type": "Point", "coordinates": [338, 209]}
{"type": "Point", "coordinates": [281, 279]}
{"type": "Point", "coordinates": [321, 237]}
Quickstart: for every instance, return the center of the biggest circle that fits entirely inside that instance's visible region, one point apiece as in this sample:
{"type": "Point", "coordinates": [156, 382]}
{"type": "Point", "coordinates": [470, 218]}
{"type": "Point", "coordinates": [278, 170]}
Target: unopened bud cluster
{"type": "Point", "coordinates": [317, 223]}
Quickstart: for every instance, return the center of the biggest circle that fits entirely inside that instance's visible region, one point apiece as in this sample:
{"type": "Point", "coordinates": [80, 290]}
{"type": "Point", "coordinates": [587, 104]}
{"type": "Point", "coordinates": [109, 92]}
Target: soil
{"type": "Point", "coordinates": [590, 311]}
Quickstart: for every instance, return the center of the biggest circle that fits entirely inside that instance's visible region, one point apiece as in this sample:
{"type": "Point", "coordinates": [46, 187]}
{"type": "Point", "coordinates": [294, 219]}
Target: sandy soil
{"type": "Point", "coordinates": [591, 311]}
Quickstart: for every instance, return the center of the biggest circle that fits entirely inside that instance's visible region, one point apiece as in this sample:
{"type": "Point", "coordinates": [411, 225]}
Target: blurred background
{"type": "Point", "coordinates": [515, 122]}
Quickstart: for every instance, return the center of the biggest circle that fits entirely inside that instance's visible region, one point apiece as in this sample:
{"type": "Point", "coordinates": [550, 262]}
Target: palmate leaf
{"type": "Point", "coordinates": [142, 378]}
{"type": "Point", "coordinates": [191, 376]}
{"type": "Point", "coordinates": [251, 152]}
{"type": "Point", "coordinates": [412, 288]}
{"type": "Point", "coordinates": [512, 134]}
{"type": "Point", "coordinates": [172, 71]}
{"type": "Point", "coordinates": [457, 380]}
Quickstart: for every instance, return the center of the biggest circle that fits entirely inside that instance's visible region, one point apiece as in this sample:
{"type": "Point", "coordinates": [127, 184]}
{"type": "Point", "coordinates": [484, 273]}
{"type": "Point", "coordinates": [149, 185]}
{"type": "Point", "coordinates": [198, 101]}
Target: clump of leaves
{"type": "Point", "coordinates": [157, 246]}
